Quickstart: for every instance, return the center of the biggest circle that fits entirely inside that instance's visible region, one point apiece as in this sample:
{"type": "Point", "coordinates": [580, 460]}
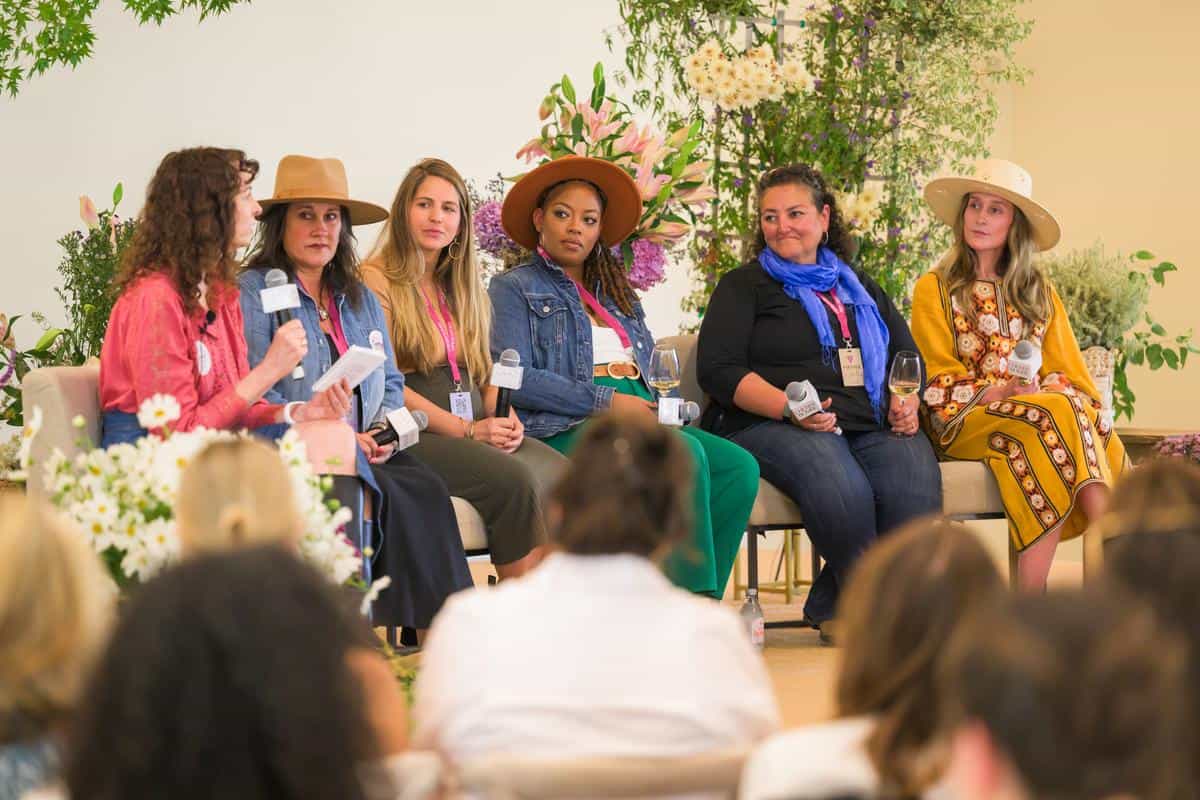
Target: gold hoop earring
{"type": "Point", "coordinates": [454, 254]}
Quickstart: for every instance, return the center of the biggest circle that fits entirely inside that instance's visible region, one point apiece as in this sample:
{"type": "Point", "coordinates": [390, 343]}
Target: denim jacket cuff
{"type": "Point", "coordinates": [604, 395]}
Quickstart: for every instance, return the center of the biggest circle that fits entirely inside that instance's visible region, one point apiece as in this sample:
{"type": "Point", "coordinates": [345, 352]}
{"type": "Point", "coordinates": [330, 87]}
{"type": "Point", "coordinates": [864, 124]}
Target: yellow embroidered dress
{"type": "Point", "coordinates": [1042, 447]}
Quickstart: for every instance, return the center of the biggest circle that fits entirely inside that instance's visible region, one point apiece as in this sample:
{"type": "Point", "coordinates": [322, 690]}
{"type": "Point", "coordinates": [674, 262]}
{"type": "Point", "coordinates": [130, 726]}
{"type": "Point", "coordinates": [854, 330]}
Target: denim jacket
{"type": "Point", "coordinates": [537, 311]}
{"type": "Point", "coordinates": [382, 391]}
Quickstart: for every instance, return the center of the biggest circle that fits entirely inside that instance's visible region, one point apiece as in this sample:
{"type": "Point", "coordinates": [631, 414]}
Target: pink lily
{"type": "Point", "coordinates": [677, 138]}
{"type": "Point", "coordinates": [665, 233]}
{"type": "Point", "coordinates": [655, 151]}
{"type": "Point", "coordinates": [87, 211]}
{"type": "Point", "coordinates": [546, 108]}
{"type": "Point", "coordinates": [648, 183]}
{"type": "Point", "coordinates": [598, 126]}
{"type": "Point", "coordinates": [532, 149]}
{"type": "Point", "coordinates": [695, 171]}
{"type": "Point", "coordinates": [700, 194]}
{"type": "Point", "coordinates": [633, 140]}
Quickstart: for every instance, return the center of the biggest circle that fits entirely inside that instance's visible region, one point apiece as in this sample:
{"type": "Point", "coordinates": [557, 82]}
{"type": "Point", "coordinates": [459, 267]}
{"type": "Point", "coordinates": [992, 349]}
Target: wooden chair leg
{"type": "Point", "coordinates": [787, 567]}
{"type": "Point", "coordinates": [1014, 557]}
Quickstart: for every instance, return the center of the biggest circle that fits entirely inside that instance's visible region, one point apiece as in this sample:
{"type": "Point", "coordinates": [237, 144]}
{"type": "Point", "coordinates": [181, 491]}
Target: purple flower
{"type": "Point", "coordinates": [817, 84]}
{"type": "Point", "coordinates": [737, 183]}
{"type": "Point", "coordinates": [649, 262]}
{"type": "Point", "coordinates": [869, 23]}
{"type": "Point", "coordinates": [747, 120]}
{"type": "Point", "coordinates": [490, 232]}
{"type": "Point", "coordinates": [858, 62]}
{"type": "Point", "coordinates": [838, 14]}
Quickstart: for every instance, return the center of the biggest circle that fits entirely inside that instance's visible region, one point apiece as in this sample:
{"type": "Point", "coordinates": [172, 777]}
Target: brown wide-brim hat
{"type": "Point", "coordinates": [300, 179]}
{"type": "Point", "coordinates": [1004, 179]}
{"type": "Point", "coordinates": [622, 200]}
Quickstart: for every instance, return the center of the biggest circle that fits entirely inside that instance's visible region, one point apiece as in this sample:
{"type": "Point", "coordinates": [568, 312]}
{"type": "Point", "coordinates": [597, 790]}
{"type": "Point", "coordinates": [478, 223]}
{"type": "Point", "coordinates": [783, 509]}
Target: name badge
{"type": "Point", "coordinates": [850, 359]}
{"type": "Point", "coordinates": [203, 359]}
{"type": "Point", "coordinates": [460, 406]}
{"type": "Point", "coordinates": [376, 340]}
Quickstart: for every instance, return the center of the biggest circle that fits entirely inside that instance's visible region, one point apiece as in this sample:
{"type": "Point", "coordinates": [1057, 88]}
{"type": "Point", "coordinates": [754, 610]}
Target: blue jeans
{"type": "Point", "coordinates": [850, 489]}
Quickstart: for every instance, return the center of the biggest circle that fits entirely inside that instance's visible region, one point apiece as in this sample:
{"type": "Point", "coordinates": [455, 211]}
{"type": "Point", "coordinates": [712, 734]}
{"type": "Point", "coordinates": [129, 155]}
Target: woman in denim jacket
{"type": "Point", "coordinates": [306, 232]}
{"type": "Point", "coordinates": [581, 332]}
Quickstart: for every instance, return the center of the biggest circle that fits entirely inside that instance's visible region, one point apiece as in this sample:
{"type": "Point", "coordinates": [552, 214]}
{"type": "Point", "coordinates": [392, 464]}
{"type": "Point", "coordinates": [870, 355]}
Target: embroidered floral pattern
{"type": "Point", "coordinates": [1035, 496]}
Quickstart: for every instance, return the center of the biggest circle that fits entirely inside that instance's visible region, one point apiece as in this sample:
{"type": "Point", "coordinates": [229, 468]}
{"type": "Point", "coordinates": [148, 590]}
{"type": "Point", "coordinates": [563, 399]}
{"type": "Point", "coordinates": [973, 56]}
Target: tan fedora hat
{"type": "Point", "coordinates": [301, 179]}
{"type": "Point", "coordinates": [622, 200]}
{"type": "Point", "coordinates": [999, 177]}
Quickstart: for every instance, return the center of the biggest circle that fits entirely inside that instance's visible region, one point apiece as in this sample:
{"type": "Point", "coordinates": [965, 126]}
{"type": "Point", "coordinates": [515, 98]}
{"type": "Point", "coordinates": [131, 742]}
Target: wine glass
{"type": "Point", "coordinates": [904, 380]}
{"type": "Point", "coordinates": [664, 369]}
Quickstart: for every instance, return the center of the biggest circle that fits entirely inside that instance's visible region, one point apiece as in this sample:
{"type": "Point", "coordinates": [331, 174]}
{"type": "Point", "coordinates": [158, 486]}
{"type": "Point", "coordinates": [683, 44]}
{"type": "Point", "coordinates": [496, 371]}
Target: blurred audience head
{"type": "Point", "coordinates": [228, 675]}
{"type": "Point", "coordinates": [627, 489]}
{"type": "Point", "coordinates": [1161, 494]}
{"type": "Point", "coordinates": [56, 606]}
{"type": "Point", "coordinates": [1068, 695]}
{"type": "Point", "coordinates": [235, 493]}
{"type": "Point", "coordinates": [904, 600]}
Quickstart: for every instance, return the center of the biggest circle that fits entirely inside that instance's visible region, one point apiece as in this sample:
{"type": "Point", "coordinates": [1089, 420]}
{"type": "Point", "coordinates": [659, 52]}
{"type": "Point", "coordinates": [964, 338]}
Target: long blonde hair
{"type": "Point", "coordinates": [56, 608]}
{"type": "Point", "coordinates": [1022, 283]}
{"type": "Point", "coordinates": [457, 272]}
{"type": "Point", "coordinates": [236, 493]}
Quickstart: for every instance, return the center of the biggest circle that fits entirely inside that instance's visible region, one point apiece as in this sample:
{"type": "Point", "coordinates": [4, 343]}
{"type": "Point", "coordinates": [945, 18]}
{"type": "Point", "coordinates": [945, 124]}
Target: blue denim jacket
{"type": "Point", "coordinates": [537, 311]}
{"type": "Point", "coordinates": [382, 391]}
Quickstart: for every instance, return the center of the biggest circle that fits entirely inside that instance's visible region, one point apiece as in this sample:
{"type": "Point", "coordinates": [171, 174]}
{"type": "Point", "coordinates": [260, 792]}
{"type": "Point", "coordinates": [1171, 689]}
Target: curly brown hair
{"type": "Point", "coordinates": [185, 229]}
{"type": "Point", "coordinates": [805, 175]}
{"type": "Point", "coordinates": [600, 266]}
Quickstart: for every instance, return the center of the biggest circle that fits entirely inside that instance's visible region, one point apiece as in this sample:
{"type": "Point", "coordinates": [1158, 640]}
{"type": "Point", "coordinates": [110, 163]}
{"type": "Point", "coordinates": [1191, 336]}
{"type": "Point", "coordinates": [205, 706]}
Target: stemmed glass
{"type": "Point", "coordinates": [905, 377]}
{"type": "Point", "coordinates": [664, 370]}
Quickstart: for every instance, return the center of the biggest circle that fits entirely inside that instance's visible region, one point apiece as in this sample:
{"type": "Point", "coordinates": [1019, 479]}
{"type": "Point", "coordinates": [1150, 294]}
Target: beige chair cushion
{"type": "Point", "coordinates": [968, 489]}
{"type": "Point", "coordinates": [62, 393]}
{"type": "Point", "coordinates": [470, 525]}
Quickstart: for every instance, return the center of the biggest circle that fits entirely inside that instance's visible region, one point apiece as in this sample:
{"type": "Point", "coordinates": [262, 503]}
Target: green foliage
{"type": "Point", "coordinates": [1105, 296]}
{"type": "Point", "coordinates": [48, 351]}
{"type": "Point", "coordinates": [903, 89]}
{"type": "Point", "coordinates": [36, 35]}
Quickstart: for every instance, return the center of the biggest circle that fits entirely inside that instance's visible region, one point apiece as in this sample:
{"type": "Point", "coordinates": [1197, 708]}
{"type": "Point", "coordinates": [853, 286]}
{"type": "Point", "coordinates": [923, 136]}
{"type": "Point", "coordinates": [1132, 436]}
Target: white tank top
{"type": "Point", "coordinates": [606, 346]}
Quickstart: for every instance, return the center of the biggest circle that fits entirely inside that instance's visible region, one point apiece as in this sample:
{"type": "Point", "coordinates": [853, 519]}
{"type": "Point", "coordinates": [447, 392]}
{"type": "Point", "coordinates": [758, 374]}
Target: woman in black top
{"type": "Point", "coordinates": [798, 312]}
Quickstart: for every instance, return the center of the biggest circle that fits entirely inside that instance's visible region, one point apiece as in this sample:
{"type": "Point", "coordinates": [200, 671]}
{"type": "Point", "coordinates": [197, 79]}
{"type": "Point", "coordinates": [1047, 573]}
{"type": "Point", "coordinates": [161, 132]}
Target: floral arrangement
{"type": "Point", "coordinates": [667, 167]}
{"type": "Point", "coordinates": [1185, 445]}
{"type": "Point", "coordinates": [743, 81]}
{"type": "Point", "coordinates": [123, 497]}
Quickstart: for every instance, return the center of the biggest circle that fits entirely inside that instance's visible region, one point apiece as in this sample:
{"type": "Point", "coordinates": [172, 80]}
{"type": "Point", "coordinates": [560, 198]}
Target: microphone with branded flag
{"type": "Point", "coordinates": [403, 427]}
{"type": "Point", "coordinates": [507, 374]}
{"type": "Point", "coordinates": [1025, 361]}
{"type": "Point", "coordinates": [279, 298]}
{"type": "Point", "coordinates": [803, 401]}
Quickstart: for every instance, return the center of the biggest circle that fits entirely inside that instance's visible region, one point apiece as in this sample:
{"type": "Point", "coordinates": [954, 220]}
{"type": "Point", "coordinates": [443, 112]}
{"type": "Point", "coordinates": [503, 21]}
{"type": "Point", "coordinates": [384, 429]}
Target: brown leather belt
{"type": "Point", "coordinates": [617, 369]}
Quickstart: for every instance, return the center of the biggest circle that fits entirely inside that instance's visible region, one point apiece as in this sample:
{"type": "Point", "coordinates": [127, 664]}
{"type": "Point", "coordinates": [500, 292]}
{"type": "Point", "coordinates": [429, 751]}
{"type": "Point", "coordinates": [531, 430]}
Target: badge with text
{"type": "Point", "coordinates": [850, 359]}
{"type": "Point", "coordinates": [376, 339]}
{"type": "Point", "coordinates": [460, 406]}
{"type": "Point", "coordinates": [203, 359]}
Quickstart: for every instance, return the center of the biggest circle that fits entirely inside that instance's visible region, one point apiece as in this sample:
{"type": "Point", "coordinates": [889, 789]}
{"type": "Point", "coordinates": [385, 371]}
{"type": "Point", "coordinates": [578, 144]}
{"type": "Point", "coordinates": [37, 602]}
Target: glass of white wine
{"type": "Point", "coordinates": [904, 380]}
{"type": "Point", "coordinates": [664, 370]}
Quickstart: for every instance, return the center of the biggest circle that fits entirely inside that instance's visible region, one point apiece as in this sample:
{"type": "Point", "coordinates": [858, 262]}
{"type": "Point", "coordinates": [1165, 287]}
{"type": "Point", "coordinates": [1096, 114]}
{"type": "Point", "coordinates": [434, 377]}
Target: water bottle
{"type": "Point", "coordinates": [752, 618]}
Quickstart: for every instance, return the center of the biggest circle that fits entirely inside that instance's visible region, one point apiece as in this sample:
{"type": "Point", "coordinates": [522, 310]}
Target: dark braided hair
{"type": "Point", "coordinates": [805, 175]}
{"type": "Point", "coordinates": [600, 266]}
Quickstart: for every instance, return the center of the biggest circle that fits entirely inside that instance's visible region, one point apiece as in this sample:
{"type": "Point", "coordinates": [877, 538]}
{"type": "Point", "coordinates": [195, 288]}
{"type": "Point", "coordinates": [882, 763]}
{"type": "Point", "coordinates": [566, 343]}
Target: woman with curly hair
{"type": "Point", "coordinates": [238, 674]}
{"type": "Point", "coordinates": [1049, 447]}
{"type": "Point", "coordinates": [582, 335]}
{"type": "Point", "coordinates": [797, 312]}
{"type": "Point", "coordinates": [176, 328]}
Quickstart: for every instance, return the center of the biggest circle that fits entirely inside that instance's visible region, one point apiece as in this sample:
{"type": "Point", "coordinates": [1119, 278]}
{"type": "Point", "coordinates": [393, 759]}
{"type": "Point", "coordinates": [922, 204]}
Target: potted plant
{"type": "Point", "coordinates": [1105, 294]}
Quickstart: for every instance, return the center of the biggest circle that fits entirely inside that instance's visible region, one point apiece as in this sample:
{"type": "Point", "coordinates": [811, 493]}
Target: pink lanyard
{"type": "Point", "coordinates": [445, 326]}
{"type": "Point", "coordinates": [839, 310]}
{"type": "Point", "coordinates": [602, 313]}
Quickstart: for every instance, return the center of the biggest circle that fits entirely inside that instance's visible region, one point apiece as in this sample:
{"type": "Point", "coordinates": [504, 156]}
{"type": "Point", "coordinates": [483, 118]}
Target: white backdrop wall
{"type": "Point", "coordinates": [377, 83]}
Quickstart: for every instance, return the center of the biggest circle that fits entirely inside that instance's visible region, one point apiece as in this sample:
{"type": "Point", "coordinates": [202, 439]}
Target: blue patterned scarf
{"type": "Point", "coordinates": [801, 282]}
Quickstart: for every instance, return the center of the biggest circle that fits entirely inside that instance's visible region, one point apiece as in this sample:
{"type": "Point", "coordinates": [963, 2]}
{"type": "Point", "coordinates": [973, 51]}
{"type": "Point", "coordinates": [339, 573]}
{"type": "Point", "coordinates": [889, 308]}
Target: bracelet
{"type": "Point", "coordinates": [470, 434]}
{"type": "Point", "coordinates": [287, 411]}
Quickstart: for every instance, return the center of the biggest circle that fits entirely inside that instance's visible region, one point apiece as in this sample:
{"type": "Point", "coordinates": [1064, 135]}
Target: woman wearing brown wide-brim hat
{"type": "Point", "coordinates": [306, 232]}
{"type": "Point", "coordinates": [581, 332]}
{"type": "Point", "coordinates": [1044, 436]}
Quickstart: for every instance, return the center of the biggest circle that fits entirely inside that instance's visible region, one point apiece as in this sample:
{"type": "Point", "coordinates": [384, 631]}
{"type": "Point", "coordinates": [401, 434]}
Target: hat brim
{"type": "Point", "coordinates": [361, 212]}
{"type": "Point", "coordinates": [944, 196]}
{"type": "Point", "coordinates": [622, 208]}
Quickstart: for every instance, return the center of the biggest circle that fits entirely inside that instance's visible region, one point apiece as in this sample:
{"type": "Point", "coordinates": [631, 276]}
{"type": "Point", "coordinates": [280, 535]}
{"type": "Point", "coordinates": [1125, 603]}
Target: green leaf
{"type": "Point", "coordinates": [1158, 330]}
{"type": "Point", "coordinates": [577, 128]}
{"type": "Point", "coordinates": [1171, 359]}
{"type": "Point", "coordinates": [1161, 271]}
{"type": "Point", "coordinates": [1143, 255]}
{"type": "Point", "coordinates": [1183, 357]}
{"type": "Point", "coordinates": [48, 338]}
{"type": "Point", "coordinates": [1154, 356]}
{"type": "Point", "coordinates": [598, 73]}
{"type": "Point", "coordinates": [568, 90]}
{"type": "Point", "coordinates": [118, 193]}
{"type": "Point", "coordinates": [1136, 354]}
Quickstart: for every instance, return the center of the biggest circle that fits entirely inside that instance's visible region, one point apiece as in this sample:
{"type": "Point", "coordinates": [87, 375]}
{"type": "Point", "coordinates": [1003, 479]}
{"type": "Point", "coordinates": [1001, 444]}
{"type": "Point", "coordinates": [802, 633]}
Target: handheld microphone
{"type": "Point", "coordinates": [279, 298]}
{"type": "Point", "coordinates": [803, 402]}
{"type": "Point", "coordinates": [676, 411]}
{"type": "Point", "coordinates": [507, 374]}
{"type": "Point", "coordinates": [1025, 361]}
{"type": "Point", "coordinates": [403, 428]}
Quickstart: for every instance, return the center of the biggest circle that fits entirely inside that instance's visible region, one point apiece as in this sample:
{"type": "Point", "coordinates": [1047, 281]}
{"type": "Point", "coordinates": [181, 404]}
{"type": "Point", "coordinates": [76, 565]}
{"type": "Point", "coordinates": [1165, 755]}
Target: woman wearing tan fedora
{"type": "Point", "coordinates": [307, 233]}
{"type": "Point", "coordinates": [581, 332]}
{"type": "Point", "coordinates": [425, 272]}
{"type": "Point", "coordinates": [1052, 452]}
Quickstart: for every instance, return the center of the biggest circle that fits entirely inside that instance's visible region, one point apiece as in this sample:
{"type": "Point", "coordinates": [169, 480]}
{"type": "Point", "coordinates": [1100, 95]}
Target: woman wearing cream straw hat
{"type": "Point", "coordinates": [1050, 449]}
{"type": "Point", "coordinates": [581, 332]}
{"type": "Point", "coordinates": [307, 233]}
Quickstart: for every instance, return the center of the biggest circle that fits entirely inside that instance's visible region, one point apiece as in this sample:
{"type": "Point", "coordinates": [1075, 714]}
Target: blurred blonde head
{"type": "Point", "coordinates": [236, 493]}
{"type": "Point", "coordinates": [56, 605]}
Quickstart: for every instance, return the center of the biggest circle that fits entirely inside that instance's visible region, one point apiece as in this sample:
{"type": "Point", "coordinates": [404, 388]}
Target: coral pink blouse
{"type": "Point", "coordinates": [153, 347]}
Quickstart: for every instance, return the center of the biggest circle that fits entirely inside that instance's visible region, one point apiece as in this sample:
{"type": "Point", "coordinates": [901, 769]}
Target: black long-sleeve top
{"type": "Point", "coordinates": [751, 325]}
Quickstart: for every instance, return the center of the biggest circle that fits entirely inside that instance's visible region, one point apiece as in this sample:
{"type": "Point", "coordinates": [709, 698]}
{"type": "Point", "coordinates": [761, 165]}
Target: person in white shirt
{"type": "Point", "coordinates": [595, 653]}
{"type": "Point", "coordinates": [905, 599]}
